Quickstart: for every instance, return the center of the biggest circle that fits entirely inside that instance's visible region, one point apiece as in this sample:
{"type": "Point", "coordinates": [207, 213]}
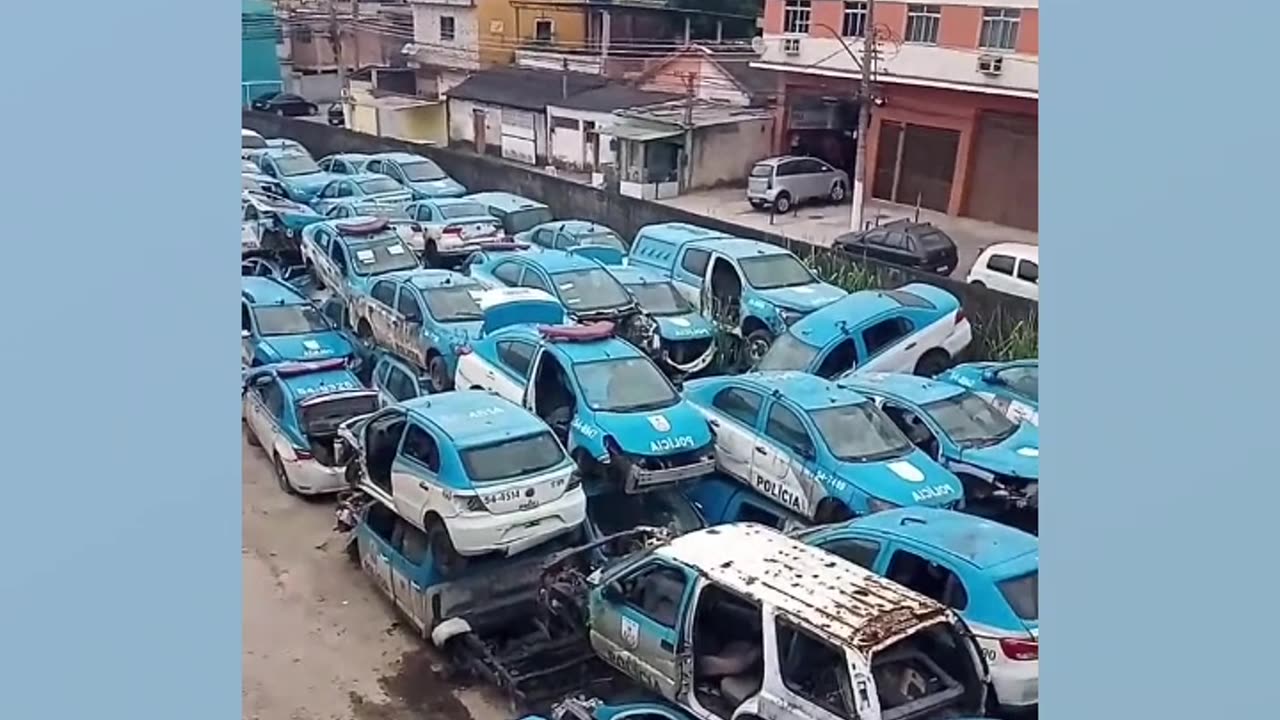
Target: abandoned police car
{"type": "Point", "coordinates": [998, 460]}
{"type": "Point", "coordinates": [621, 418]}
{"type": "Point", "coordinates": [347, 255]}
{"type": "Point", "coordinates": [916, 328]}
{"type": "Point", "coordinates": [753, 288]}
{"type": "Point", "coordinates": [365, 187]}
{"type": "Point", "coordinates": [821, 450]}
{"type": "Point", "coordinates": [1013, 387]}
{"type": "Point", "coordinates": [453, 228]}
{"type": "Point", "coordinates": [687, 340]}
{"type": "Point", "coordinates": [278, 324]}
{"type": "Point", "coordinates": [987, 572]}
{"type": "Point", "coordinates": [425, 316]}
{"type": "Point", "coordinates": [293, 410]}
{"type": "Point", "coordinates": [569, 234]}
{"type": "Point", "coordinates": [477, 473]}
{"type": "Point", "coordinates": [739, 621]}
{"type": "Point", "coordinates": [301, 177]}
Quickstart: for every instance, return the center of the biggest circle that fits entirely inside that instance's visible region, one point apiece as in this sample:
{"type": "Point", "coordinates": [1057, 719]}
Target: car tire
{"type": "Point", "coordinates": [830, 510]}
{"type": "Point", "coordinates": [445, 556]}
{"type": "Point", "coordinates": [282, 477]}
{"type": "Point", "coordinates": [756, 344]}
{"type": "Point", "coordinates": [978, 284]}
{"type": "Point", "coordinates": [438, 372]}
{"type": "Point", "coordinates": [838, 192]}
{"type": "Point", "coordinates": [932, 363]}
{"type": "Point", "coordinates": [782, 203]}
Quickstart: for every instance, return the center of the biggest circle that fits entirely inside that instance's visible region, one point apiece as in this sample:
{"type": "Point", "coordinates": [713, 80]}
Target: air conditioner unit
{"type": "Point", "coordinates": [990, 64]}
{"type": "Point", "coordinates": [791, 46]}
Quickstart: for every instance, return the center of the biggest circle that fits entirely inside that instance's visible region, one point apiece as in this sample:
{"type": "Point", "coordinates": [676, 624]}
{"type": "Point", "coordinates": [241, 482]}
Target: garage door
{"type": "Point", "coordinates": [1004, 185]}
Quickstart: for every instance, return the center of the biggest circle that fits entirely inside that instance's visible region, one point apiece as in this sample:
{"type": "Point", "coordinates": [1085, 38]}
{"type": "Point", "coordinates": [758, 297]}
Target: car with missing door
{"type": "Point", "coordinates": [346, 256]}
{"type": "Point", "coordinates": [687, 339]}
{"type": "Point", "coordinates": [279, 324]}
{"type": "Point", "coordinates": [1013, 387]}
{"type": "Point", "coordinates": [293, 410]}
{"type": "Point", "coordinates": [916, 328]}
{"type": "Point", "coordinates": [988, 573]}
{"type": "Point", "coordinates": [786, 181]}
{"type": "Point", "coordinates": [821, 450]}
{"type": "Point", "coordinates": [478, 474]}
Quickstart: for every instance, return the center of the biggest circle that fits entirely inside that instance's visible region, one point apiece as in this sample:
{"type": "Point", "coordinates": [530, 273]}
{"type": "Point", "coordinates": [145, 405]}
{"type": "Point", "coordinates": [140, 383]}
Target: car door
{"type": "Point", "coordinates": [640, 627]}
{"type": "Point", "coordinates": [267, 400]}
{"type": "Point", "coordinates": [335, 271]}
{"type": "Point", "coordinates": [410, 570]}
{"type": "Point", "coordinates": [247, 333]}
{"type": "Point", "coordinates": [406, 329]}
{"type": "Point", "coordinates": [374, 542]}
{"type": "Point", "coordinates": [378, 309]}
{"type": "Point", "coordinates": [691, 274]}
{"type": "Point", "coordinates": [533, 277]}
{"type": "Point", "coordinates": [783, 462]}
{"type": "Point", "coordinates": [886, 345]}
{"type": "Point", "coordinates": [735, 417]}
{"type": "Point", "coordinates": [998, 273]}
{"type": "Point", "coordinates": [1027, 278]}
{"type": "Point", "coordinates": [414, 473]}
{"type": "Point", "coordinates": [515, 359]}
{"type": "Point", "coordinates": [813, 175]}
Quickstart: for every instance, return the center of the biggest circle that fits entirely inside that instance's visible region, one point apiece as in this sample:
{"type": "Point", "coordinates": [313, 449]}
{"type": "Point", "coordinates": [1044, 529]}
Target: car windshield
{"type": "Point", "coordinates": [292, 165]}
{"type": "Point", "coordinates": [763, 170]}
{"type": "Point", "coordinates": [463, 210]}
{"type": "Point", "coordinates": [522, 220]}
{"type": "Point", "coordinates": [252, 141]}
{"type": "Point", "coordinates": [767, 272]}
{"type": "Point", "coordinates": [788, 352]}
{"type": "Point", "coordinates": [385, 256]}
{"type": "Point", "coordinates": [452, 304]}
{"type": "Point", "coordinates": [659, 299]}
{"type": "Point", "coordinates": [590, 290]}
{"type": "Point", "coordinates": [1023, 595]}
{"type": "Point", "coordinates": [860, 433]}
{"type": "Point", "coordinates": [512, 458]}
{"type": "Point", "coordinates": [324, 415]}
{"type": "Point", "coordinates": [970, 421]}
{"type": "Point", "coordinates": [273, 320]}
{"type": "Point", "coordinates": [1023, 380]}
{"type": "Point", "coordinates": [665, 508]}
{"type": "Point", "coordinates": [607, 239]}
{"type": "Point", "coordinates": [422, 171]}
{"type": "Point", "coordinates": [624, 385]}
{"type": "Point", "coordinates": [379, 185]}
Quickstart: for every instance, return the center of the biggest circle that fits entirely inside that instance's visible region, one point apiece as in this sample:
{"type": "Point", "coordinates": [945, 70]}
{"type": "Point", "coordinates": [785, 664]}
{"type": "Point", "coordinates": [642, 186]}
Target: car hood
{"type": "Point", "coordinates": [444, 187]}
{"type": "Point", "coordinates": [911, 480]}
{"type": "Point", "coordinates": [684, 327]}
{"type": "Point", "coordinates": [1018, 456]}
{"type": "Point", "coordinates": [804, 298]}
{"type": "Point", "coordinates": [311, 182]}
{"type": "Point", "coordinates": [643, 433]}
{"type": "Point", "coordinates": [298, 218]}
{"type": "Point", "coordinates": [315, 346]}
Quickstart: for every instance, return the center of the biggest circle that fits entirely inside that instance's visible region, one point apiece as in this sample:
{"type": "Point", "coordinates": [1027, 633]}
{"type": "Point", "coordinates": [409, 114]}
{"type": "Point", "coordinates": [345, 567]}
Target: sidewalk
{"type": "Point", "coordinates": [819, 224]}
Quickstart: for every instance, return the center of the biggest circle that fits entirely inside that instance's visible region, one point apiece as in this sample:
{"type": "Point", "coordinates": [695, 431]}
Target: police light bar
{"type": "Point", "coordinates": [363, 226]}
{"type": "Point", "coordinates": [293, 369]}
{"type": "Point", "coordinates": [577, 333]}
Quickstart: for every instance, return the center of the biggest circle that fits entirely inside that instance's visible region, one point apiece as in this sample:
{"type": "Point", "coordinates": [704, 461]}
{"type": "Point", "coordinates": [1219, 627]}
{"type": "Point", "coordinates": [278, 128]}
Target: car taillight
{"type": "Point", "coordinates": [301, 454]}
{"type": "Point", "coordinates": [451, 230]}
{"type": "Point", "coordinates": [1016, 649]}
{"type": "Point", "coordinates": [960, 316]}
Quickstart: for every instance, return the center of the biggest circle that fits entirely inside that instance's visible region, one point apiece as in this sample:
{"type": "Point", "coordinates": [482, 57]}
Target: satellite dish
{"type": "Point", "coordinates": [757, 45]}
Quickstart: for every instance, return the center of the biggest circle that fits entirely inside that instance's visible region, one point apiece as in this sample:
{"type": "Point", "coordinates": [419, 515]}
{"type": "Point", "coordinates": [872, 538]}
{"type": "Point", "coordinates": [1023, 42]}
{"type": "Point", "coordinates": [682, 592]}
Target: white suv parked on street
{"type": "Point", "coordinates": [1012, 268]}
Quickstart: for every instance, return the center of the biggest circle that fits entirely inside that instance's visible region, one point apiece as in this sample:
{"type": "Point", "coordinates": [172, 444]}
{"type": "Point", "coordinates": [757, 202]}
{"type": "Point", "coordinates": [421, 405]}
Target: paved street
{"type": "Point", "coordinates": [319, 642]}
{"type": "Point", "coordinates": [819, 224]}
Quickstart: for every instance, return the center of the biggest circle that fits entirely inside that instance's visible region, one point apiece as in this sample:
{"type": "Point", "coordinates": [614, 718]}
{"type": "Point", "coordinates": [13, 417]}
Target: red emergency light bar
{"type": "Point", "coordinates": [577, 333]}
{"type": "Point", "coordinates": [363, 227]}
{"type": "Point", "coordinates": [302, 368]}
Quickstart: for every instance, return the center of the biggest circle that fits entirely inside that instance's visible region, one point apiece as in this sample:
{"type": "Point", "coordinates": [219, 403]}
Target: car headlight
{"type": "Point", "coordinates": [876, 505]}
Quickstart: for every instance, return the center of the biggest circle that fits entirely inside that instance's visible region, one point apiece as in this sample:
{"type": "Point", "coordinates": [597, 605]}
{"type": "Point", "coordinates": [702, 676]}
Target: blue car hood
{"type": "Point", "coordinates": [684, 327]}
{"type": "Point", "coordinates": [658, 432]}
{"type": "Point", "coordinates": [312, 182]}
{"type": "Point", "coordinates": [316, 346]}
{"type": "Point", "coordinates": [445, 187]}
{"type": "Point", "coordinates": [911, 480]}
{"type": "Point", "coordinates": [1017, 456]}
{"type": "Point", "coordinates": [299, 218]}
{"type": "Point", "coordinates": [805, 298]}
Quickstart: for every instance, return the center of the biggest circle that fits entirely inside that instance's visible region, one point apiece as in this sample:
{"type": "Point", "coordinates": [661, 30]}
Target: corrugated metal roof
{"type": "Point", "coordinates": [523, 88]}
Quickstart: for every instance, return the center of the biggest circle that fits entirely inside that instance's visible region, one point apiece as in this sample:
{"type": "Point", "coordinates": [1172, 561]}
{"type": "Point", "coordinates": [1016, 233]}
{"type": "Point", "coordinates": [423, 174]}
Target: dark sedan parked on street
{"type": "Point", "coordinates": [286, 104]}
{"type": "Point", "coordinates": [916, 245]}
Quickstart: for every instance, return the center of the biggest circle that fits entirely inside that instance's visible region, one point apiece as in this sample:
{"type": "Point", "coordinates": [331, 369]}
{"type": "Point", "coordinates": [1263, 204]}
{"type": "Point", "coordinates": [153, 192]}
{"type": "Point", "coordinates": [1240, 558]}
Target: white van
{"type": "Point", "coordinates": [1012, 268]}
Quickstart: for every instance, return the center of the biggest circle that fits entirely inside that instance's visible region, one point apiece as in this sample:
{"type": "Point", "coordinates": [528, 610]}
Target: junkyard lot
{"type": "Point", "coordinates": [319, 642]}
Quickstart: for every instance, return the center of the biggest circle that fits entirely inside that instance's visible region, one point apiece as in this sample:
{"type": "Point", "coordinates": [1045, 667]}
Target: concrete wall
{"type": "Point", "coordinates": [567, 145]}
{"type": "Point", "coordinates": [992, 313]}
{"type": "Point", "coordinates": [725, 153]}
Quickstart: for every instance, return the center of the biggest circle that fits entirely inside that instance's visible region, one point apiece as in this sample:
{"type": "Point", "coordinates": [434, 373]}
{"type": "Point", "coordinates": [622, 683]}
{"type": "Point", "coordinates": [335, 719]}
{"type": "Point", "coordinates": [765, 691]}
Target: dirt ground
{"type": "Point", "coordinates": [319, 642]}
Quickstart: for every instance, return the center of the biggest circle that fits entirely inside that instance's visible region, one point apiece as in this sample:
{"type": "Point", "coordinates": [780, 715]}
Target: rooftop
{"type": "Point", "coordinates": [268, 291]}
{"type": "Point", "coordinates": [473, 418]}
{"type": "Point", "coordinates": [704, 113]}
{"type": "Point", "coordinates": [522, 87]}
{"type": "Point", "coordinates": [912, 388]}
{"type": "Point", "coordinates": [982, 543]}
{"type": "Point", "coordinates": [809, 392]}
{"type": "Point", "coordinates": [611, 97]}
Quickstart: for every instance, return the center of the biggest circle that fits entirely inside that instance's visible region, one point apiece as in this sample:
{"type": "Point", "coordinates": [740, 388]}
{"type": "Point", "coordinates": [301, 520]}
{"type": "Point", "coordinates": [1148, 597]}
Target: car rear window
{"type": "Point", "coordinates": [788, 352]}
{"type": "Point", "coordinates": [527, 219]}
{"type": "Point", "coordinates": [933, 240]}
{"type": "Point", "coordinates": [512, 458]}
{"type": "Point", "coordinates": [1023, 595]}
{"type": "Point", "coordinates": [762, 171]}
{"type": "Point", "coordinates": [463, 210]}
{"type": "Point", "coordinates": [907, 299]}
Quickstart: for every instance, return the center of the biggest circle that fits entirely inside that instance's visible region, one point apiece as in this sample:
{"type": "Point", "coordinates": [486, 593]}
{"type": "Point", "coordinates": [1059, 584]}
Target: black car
{"type": "Point", "coordinates": [903, 242]}
{"type": "Point", "coordinates": [336, 116]}
{"type": "Point", "coordinates": [286, 104]}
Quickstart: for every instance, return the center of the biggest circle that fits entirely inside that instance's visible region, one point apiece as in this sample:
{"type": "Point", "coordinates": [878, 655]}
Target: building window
{"type": "Point", "coordinates": [999, 28]}
{"type": "Point", "coordinates": [543, 30]}
{"type": "Point", "coordinates": [795, 17]}
{"type": "Point", "coordinates": [922, 24]}
{"type": "Point", "coordinates": [855, 19]}
{"type": "Point", "coordinates": [448, 30]}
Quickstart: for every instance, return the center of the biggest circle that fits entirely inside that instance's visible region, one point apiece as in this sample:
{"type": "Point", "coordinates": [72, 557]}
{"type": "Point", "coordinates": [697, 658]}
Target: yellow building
{"type": "Point", "coordinates": [505, 25]}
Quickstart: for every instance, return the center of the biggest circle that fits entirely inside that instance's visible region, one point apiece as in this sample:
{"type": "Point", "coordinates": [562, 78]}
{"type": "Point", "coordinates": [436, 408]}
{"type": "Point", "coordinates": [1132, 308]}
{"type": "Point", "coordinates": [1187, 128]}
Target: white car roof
{"type": "Point", "coordinates": [1019, 250]}
{"type": "Point", "coordinates": [491, 297]}
{"type": "Point", "coordinates": [246, 132]}
{"type": "Point", "coordinates": [845, 604]}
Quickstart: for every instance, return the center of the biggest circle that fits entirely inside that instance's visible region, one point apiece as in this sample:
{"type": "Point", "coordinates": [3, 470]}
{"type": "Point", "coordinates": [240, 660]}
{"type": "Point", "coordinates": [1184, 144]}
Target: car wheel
{"type": "Point", "coordinates": [932, 363]}
{"type": "Point", "coordinates": [282, 477]}
{"type": "Point", "coordinates": [438, 370]}
{"type": "Point", "coordinates": [782, 203]}
{"type": "Point", "coordinates": [831, 510]}
{"type": "Point", "coordinates": [445, 555]}
{"type": "Point", "coordinates": [312, 110]}
{"type": "Point", "coordinates": [757, 344]}
{"type": "Point", "coordinates": [979, 284]}
{"type": "Point", "coordinates": [838, 192]}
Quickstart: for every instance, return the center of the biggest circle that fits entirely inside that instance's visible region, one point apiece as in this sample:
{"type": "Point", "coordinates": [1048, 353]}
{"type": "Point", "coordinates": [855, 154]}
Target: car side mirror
{"type": "Point", "coordinates": [244, 334]}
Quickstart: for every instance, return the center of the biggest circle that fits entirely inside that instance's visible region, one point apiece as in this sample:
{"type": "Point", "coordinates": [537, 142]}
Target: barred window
{"type": "Point", "coordinates": [922, 24]}
{"type": "Point", "coordinates": [855, 19]}
{"type": "Point", "coordinates": [999, 28]}
{"type": "Point", "coordinates": [795, 17]}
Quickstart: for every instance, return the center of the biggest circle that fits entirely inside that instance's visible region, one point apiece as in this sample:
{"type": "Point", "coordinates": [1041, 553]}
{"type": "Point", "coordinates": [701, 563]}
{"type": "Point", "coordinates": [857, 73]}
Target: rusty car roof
{"type": "Point", "coordinates": [836, 599]}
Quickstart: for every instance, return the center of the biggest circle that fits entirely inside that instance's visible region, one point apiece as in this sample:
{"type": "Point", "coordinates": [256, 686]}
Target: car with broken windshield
{"type": "Point", "coordinates": [916, 328]}
{"type": "Point", "coordinates": [293, 410]}
{"type": "Point", "coordinates": [453, 228]}
{"type": "Point", "coordinates": [478, 474]}
{"type": "Point", "coordinates": [419, 175]}
{"type": "Point", "coordinates": [987, 572]}
{"type": "Point", "coordinates": [1012, 387]}
{"type": "Point", "coordinates": [752, 289]}
{"type": "Point", "coordinates": [278, 324]}
{"type": "Point", "coordinates": [742, 621]}
{"type": "Point", "coordinates": [997, 459]}
{"type": "Point", "coordinates": [346, 256]}
{"type": "Point", "coordinates": [301, 177]}
{"type": "Point", "coordinates": [819, 449]}
{"type": "Point", "coordinates": [427, 317]}
{"type": "Point", "coordinates": [623, 421]}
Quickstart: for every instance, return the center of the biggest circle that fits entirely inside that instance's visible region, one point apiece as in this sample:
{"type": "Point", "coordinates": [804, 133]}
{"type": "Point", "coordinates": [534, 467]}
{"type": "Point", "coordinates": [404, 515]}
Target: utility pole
{"type": "Point", "coordinates": [690, 80]}
{"type": "Point", "coordinates": [864, 118]}
{"type": "Point", "coordinates": [335, 39]}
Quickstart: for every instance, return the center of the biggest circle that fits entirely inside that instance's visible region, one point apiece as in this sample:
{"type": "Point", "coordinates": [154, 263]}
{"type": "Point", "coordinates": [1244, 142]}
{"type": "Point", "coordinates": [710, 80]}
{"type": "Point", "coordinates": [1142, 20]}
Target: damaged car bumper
{"type": "Point", "coordinates": [310, 477]}
{"type": "Point", "coordinates": [512, 533]}
{"type": "Point", "coordinates": [642, 473]}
